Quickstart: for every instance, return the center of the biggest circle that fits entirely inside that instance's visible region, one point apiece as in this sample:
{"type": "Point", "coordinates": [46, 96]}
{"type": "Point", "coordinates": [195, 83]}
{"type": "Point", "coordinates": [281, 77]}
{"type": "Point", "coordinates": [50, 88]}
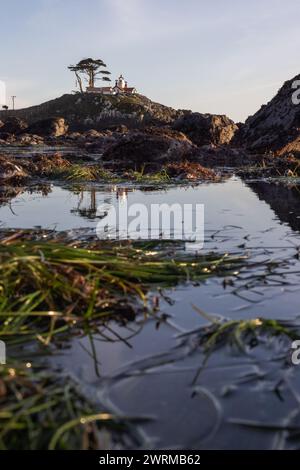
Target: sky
{"type": "Point", "coordinates": [216, 56]}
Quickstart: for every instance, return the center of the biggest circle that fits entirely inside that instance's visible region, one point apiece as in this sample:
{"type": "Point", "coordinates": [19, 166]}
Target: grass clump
{"type": "Point", "coordinates": [78, 173]}
{"type": "Point", "coordinates": [47, 287]}
{"type": "Point", "coordinates": [244, 334]}
{"type": "Point", "coordinates": [241, 336]}
{"type": "Point", "coordinates": [142, 177]}
{"type": "Point", "coordinates": [39, 410]}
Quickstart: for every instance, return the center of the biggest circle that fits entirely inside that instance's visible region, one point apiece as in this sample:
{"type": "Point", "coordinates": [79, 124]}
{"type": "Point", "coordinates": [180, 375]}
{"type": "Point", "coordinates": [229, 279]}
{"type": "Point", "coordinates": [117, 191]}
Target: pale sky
{"type": "Point", "coordinates": [218, 56]}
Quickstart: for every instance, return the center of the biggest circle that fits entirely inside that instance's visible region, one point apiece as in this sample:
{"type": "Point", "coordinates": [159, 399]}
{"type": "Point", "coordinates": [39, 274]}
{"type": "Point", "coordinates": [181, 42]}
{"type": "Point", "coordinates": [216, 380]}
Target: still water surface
{"type": "Point", "coordinates": [151, 373]}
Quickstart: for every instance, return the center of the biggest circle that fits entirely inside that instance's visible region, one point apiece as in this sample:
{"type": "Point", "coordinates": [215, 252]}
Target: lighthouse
{"type": "Point", "coordinates": [121, 82]}
{"type": "Point", "coordinates": [121, 87]}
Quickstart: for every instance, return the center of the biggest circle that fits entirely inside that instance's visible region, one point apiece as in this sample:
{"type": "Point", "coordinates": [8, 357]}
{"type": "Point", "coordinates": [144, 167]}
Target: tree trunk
{"type": "Point", "coordinates": [91, 79]}
{"type": "Point", "coordinates": [79, 81]}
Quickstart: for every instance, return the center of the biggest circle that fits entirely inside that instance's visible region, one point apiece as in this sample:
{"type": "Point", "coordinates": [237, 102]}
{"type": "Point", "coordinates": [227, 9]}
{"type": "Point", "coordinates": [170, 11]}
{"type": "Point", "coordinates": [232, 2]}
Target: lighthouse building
{"type": "Point", "coordinates": [121, 88]}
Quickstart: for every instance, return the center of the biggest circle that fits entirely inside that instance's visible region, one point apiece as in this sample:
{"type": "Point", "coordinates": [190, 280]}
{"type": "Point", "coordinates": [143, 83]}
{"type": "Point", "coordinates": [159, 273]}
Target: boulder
{"type": "Point", "coordinates": [100, 144]}
{"type": "Point", "coordinates": [74, 135]}
{"type": "Point", "coordinates": [119, 128]}
{"type": "Point", "coordinates": [166, 132]}
{"type": "Point", "coordinates": [217, 156]}
{"type": "Point", "coordinates": [9, 138]}
{"type": "Point", "coordinates": [147, 150]}
{"type": "Point", "coordinates": [92, 134]}
{"type": "Point", "coordinates": [14, 125]}
{"type": "Point", "coordinates": [204, 129]}
{"type": "Point", "coordinates": [52, 127]}
{"type": "Point", "coordinates": [30, 139]}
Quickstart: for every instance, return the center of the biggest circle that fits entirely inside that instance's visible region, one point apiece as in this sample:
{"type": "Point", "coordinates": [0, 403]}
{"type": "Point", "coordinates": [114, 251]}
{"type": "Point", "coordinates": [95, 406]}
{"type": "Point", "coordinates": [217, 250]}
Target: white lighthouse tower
{"type": "Point", "coordinates": [121, 82]}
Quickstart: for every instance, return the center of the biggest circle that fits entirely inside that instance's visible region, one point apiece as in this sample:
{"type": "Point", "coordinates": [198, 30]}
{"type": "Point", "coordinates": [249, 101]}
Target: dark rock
{"type": "Point", "coordinates": [92, 134]}
{"type": "Point", "coordinates": [30, 139]}
{"type": "Point", "coordinates": [121, 129]}
{"type": "Point", "coordinates": [204, 129]}
{"type": "Point", "coordinates": [52, 127]}
{"type": "Point", "coordinates": [74, 135]}
{"type": "Point", "coordinates": [276, 126]}
{"type": "Point", "coordinates": [166, 132]}
{"type": "Point", "coordinates": [101, 144]}
{"type": "Point", "coordinates": [212, 156]}
{"type": "Point", "coordinates": [9, 138]}
{"type": "Point", "coordinates": [14, 125]}
{"type": "Point", "coordinates": [148, 150]}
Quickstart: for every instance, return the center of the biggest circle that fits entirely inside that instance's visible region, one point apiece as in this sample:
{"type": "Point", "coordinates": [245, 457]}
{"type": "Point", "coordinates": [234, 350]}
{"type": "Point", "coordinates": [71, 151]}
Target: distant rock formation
{"type": "Point", "coordinates": [205, 129]}
{"type": "Point", "coordinates": [16, 130]}
{"type": "Point", "coordinates": [130, 131]}
{"type": "Point", "coordinates": [276, 126]}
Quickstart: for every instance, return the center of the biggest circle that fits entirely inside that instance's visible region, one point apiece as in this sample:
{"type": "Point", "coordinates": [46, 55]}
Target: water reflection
{"type": "Point", "coordinates": [284, 201]}
{"type": "Point", "coordinates": [9, 193]}
{"type": "Point", "coordinates": [230, 204]}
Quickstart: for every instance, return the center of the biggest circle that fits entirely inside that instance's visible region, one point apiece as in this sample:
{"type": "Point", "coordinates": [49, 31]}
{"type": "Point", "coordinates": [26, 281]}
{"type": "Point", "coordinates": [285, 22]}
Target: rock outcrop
{"type": "Point", "coordinates": [7, 138]}
{"type": "Point", "coordinates": [52, 127]}
{"type": "Point", "coordinates": [149, 149]}
{"type": "Point", "coordinates": [29, 139]}
{"type": "Point", "coordinates": [276, 126]}
{"type": "Point", "coordinates": [205, 129]}
{"type": "Point", "coordinates": [14, 125]}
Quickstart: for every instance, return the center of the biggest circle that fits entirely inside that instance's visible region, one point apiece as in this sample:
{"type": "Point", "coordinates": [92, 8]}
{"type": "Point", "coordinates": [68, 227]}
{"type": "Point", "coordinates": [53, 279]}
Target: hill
{"type": "Point", "coordinates": [86, 111]}
{"type": "Point", "coordinates": [276, 126]}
